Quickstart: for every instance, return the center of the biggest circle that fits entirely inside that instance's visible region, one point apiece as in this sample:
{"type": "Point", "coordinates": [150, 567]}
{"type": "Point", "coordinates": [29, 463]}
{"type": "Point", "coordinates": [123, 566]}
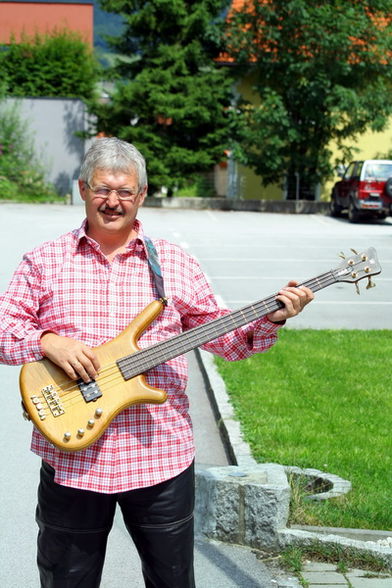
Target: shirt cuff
{"type": "Point", "coordinates": [264, 334]}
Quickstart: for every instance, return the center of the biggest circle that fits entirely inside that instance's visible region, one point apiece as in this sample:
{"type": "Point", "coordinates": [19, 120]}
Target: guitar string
{"type": "Point", "coordinates": [208, 331]}
{"type": "Point", "coordinates": [74, 386]}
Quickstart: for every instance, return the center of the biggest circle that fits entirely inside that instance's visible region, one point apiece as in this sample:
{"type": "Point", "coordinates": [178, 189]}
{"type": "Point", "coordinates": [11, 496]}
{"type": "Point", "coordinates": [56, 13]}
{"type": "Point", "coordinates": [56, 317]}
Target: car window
{"type": "Point", "coordinates": [358, 169]}
{"type": "Point", "coordinates": [349, 171]}
{"type": "Point", "coordinates": [378, 171]}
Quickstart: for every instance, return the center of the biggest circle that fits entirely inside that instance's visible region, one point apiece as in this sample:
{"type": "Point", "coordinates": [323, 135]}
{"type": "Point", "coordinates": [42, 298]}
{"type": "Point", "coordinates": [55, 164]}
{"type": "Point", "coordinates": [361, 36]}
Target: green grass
{"type": "Point", "coordinates": [323, 399]}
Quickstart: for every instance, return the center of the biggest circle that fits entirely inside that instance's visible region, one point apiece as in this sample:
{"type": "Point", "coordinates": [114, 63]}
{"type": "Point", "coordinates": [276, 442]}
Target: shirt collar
{"type": "Point", "coordinates": [81, 234]}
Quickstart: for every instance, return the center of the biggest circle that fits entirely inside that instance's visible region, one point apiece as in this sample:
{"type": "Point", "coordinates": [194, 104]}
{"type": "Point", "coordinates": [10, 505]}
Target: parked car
{"type": "Point", "coordinates": [365, 190]}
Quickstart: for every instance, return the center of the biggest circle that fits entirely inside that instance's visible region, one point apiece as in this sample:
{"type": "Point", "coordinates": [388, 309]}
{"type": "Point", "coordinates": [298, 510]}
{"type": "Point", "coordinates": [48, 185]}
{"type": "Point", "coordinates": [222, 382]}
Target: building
{"type": "Point", "coordinates": [29, 17]}
{"type": "Point", "coordinates": [242, 181]}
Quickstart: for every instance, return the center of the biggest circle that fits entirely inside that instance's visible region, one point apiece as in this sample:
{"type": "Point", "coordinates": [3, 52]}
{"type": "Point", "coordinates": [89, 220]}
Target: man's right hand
{"type": "Point", "coordinates": [75, 358]}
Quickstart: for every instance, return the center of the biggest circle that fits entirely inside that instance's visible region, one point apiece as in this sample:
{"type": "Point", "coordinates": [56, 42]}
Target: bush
{"type": "Point", "coordinates": [55, 64]}
{"type": "Point", "coordinates": [8, 189]}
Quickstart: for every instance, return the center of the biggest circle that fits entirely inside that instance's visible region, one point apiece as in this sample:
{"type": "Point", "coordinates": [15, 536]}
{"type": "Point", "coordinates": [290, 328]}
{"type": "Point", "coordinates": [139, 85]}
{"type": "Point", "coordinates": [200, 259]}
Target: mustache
{"type": "Point", "coordinates": [106, 208]}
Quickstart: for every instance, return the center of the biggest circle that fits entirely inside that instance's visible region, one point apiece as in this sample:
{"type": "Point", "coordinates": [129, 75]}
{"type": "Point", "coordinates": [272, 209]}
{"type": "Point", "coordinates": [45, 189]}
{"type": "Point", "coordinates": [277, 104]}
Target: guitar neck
{"type": "Point", "coordinates": [146, 359]}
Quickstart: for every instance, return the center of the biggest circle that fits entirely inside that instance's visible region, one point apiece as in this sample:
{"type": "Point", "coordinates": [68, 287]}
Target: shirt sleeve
{"type": "Point", "coordinates": [255, 337]}
{"type": "Point", "coordinates": [20, 332]}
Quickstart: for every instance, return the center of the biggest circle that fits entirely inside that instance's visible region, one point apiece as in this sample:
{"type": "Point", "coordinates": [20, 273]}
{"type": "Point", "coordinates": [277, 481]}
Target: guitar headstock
{"type": "Point", "coordinates": [358, 266]}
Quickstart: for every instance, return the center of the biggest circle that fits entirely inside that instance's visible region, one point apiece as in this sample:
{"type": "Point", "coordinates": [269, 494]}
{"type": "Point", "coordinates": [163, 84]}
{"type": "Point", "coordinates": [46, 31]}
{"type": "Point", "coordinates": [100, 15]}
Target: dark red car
{"type": "Point", "coordinates": [365, 190]}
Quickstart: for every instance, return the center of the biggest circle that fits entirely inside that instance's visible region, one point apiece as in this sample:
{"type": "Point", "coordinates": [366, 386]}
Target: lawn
{"type": "Point", "coordinates": [322, 399]}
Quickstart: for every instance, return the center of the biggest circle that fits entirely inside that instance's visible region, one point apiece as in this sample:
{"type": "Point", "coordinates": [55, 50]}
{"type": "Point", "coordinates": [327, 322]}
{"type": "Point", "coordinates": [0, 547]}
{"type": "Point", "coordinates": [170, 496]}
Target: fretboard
{"type": "Point", "coordinates": [145, 359]}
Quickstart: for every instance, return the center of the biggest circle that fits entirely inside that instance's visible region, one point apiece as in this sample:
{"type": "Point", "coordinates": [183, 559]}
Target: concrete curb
{"type": "Point", "coordinates": [243, 506]}
{"type": "Point", "coordinates": [248, 205]}
{"type": "Point", "coordinates": [297, 537]}
{"type": "Point", "coordinates": [335, 485]}
{"type": "Point", "coordinates": [377, 543]}
{"type": "Point", "coordinates": [238, 451]}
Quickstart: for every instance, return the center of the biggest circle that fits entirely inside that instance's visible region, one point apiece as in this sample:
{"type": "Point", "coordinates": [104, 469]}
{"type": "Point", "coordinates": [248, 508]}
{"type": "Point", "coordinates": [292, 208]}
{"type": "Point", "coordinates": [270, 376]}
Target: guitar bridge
{"type": "Point", "coordinates": [49, 399]}
{"type": "Point", "coordinates": [89, 390]}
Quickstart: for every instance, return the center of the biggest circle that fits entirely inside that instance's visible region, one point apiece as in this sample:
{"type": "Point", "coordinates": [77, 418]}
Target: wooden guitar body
{"type": "Point", "coordinates": [71, 419]}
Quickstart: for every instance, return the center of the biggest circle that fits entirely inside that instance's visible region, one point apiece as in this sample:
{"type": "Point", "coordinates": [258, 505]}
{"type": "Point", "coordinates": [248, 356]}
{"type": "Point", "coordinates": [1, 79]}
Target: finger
{"type": "Point", "coordinates": [303, 294]}
{"type": "Point", "coordinates": [69, 370]}
{"type": "Point", "coordinates": [293, 301]}
{"type": "Point", "coordinates": [93, 359]}
{"type": "Point", "coordinates": [78, 371]}
{"type": "Point", "coordinates": [85, 367]}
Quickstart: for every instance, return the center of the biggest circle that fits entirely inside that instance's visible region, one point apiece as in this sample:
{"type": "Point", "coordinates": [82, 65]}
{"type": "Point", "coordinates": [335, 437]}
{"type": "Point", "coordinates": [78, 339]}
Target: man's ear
{"type": "Point", "coordinates": [82, 189]}
{"type": "Point", "coordinates": [142, 195]}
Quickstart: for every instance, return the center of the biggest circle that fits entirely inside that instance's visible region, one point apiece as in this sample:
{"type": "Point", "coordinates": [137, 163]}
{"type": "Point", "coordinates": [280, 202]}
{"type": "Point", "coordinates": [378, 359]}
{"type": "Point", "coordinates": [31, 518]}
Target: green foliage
{"type": "Point", "coordinates": [21, 174]}
{"type": "Point", "coordinates": [56, 64]}
{"type": "Point", "coordinates": [170, 98]}
{"type": "Point", "coordinates": [321, 399]}
{"type": "Point", "coordinates": [322, 72]}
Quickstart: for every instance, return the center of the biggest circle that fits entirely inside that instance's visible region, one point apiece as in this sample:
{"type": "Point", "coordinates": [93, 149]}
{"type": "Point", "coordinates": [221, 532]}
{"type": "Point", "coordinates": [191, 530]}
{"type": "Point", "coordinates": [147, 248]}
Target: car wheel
{"type": "Point", "coordinates": [353, 213]}
{"type": "Point", "coordinates": [335, 209]}
{"type": "Point", "coordinates": [388, 188]}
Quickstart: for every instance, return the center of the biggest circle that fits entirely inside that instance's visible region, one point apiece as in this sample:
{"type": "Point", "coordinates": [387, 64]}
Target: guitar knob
{"type": "Point", "coordinates": [90, 423]}
{"type": "Point", "coordinates": [80, 432]}
{"type": "Point", "coordinates": [67, 436]}
{"type": "Point", "coordinates": [98, 412]}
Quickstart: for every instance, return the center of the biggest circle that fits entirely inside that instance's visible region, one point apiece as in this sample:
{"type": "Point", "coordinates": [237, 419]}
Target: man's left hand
{"type": "Point", "coordinates": [294, 298]}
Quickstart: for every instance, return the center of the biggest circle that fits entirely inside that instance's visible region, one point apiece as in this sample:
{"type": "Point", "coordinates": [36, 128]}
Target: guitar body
{"type": "Point", "coordinates": [72, 419]}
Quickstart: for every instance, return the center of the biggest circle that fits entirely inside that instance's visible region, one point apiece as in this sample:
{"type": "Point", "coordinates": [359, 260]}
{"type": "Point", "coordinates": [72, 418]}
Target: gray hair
{"type": "Point", "coordinates": [113, 154]}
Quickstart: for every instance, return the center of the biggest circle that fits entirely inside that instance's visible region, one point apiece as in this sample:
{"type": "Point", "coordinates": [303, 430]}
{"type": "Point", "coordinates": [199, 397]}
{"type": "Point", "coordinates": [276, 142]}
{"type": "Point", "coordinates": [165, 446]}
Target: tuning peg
{"type": "Point", "coordinates": [341, 254]}
{"type": "Point", "coordinates": [357, 288]}
{"type": "Point", "coordinates": [370, 283]}
{"type": "Point", "coordinates": [353, 250]}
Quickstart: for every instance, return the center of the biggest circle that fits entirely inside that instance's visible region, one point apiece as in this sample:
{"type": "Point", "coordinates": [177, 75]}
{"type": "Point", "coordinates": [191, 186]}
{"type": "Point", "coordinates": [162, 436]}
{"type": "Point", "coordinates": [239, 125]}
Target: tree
{"type": "Point", "coordinates": [321, 72]}
{"type": "Point", "coordinates": [170, 97]}
{"type": "Point", "coordinates": [55, 64]}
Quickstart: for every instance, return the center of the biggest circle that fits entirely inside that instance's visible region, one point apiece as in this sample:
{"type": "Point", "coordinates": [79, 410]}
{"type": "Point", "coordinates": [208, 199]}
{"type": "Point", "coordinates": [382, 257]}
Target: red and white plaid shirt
{"type": "Point", "coordinates": [69, 287]}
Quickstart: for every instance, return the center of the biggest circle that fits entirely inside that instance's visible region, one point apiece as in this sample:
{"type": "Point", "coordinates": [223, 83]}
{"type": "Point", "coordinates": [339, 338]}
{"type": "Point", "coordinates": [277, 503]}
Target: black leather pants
{"type": "Point", "coordinates": [74, 526]}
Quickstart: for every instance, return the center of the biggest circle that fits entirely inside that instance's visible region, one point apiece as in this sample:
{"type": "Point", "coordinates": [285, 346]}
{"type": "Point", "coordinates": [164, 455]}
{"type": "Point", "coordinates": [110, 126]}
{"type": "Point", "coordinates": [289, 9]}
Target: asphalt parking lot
{"type": "Point", "coordinates": [248, 256]}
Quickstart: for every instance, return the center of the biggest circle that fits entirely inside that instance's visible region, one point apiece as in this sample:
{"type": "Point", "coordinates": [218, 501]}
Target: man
{"type": "Point", "coordinates": [77, 292]}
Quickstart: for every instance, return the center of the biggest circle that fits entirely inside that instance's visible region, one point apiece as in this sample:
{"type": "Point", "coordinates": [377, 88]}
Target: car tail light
{"type": "Point", "coordinates": [369, 190]}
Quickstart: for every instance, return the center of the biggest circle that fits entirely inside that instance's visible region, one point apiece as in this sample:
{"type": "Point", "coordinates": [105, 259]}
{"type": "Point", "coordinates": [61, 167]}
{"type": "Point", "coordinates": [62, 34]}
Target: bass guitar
{"type": "Point", "coordinates": [72, 414]}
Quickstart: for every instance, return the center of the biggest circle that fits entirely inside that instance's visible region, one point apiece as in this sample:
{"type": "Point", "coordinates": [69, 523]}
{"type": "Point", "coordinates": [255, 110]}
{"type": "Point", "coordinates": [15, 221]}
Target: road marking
{"type": "Point", "coordinates": [212, 215]}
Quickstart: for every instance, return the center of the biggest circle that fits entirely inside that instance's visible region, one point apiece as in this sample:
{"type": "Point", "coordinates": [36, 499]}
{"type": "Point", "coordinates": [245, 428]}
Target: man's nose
{"type": "Point", "coordinates": [112, 199]}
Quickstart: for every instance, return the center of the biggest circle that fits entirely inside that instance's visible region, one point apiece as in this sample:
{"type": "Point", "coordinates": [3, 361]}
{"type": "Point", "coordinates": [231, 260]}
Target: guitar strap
{"type": "Point", "coordinates": [153, 262]}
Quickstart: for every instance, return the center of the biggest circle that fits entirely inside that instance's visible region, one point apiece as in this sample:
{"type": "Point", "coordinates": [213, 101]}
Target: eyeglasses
{"type": "Point", "coordinates": [122, 193]}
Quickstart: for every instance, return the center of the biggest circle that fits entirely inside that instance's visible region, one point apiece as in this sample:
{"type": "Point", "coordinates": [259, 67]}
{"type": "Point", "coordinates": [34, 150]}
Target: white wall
{"type": "Point", "coordinates": [53, 123]}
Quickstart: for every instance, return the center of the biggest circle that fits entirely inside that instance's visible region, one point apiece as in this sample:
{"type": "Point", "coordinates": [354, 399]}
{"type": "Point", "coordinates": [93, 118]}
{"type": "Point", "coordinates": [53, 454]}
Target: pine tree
{"type": "Point", "coordinates": [171, 98]}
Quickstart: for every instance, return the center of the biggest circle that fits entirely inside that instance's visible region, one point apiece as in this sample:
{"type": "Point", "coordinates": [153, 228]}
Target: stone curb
{"type": "Point", "coordinates": [293, 537]}
{"type": "Point", "coordinates": [248, 205]}
{"type": "Point", "coordinates": [336, 485]}
{"type": "Point", "coordinates": [238, 451]}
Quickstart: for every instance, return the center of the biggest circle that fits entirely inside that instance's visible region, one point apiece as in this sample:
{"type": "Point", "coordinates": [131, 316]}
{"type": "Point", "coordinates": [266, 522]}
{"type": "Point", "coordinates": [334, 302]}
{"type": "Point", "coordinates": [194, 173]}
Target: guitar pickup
{"type": "Point", "coordinates": [89, 390]}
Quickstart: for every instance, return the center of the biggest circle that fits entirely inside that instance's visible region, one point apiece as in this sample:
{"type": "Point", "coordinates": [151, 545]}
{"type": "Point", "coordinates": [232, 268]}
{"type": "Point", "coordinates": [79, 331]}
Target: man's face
{"type": "Point", "coordinates": [111, 216]}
